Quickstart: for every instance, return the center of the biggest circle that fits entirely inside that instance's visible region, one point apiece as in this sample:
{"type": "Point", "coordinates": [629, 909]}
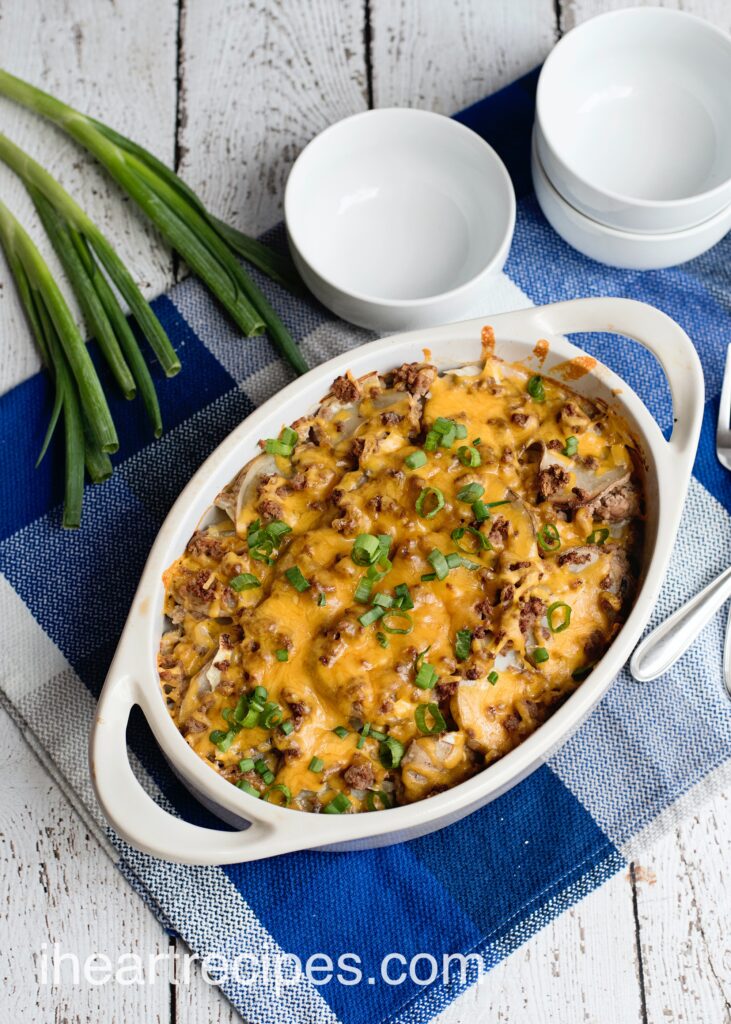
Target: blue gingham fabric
{"type": "Point", "coordinates": [485, 884]}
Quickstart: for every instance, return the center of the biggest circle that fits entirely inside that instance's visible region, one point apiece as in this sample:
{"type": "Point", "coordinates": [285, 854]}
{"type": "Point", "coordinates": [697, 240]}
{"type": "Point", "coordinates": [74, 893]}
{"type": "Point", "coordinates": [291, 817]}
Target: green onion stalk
{"type": "Point", "coordinates": [209, 247]}
{"type": "Point", "coordinates": [89, 431]}
{"type": "Point", "coordinates": [80, 244]}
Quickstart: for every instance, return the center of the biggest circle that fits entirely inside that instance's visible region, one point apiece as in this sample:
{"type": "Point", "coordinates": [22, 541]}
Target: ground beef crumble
{"type": "Point", "coordinates": [345, 389]}
{"type": "Point", "coordinates": [551, 480]}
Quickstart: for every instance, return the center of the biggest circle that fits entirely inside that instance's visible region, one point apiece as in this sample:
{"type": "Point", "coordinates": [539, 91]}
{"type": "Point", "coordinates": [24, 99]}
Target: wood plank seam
{"type": "Point", "coordinates": [638, 945]}
{"type": "Point", "coordinates": [368, 51]}
{"type": "Point", "coordinates": [180, 107]}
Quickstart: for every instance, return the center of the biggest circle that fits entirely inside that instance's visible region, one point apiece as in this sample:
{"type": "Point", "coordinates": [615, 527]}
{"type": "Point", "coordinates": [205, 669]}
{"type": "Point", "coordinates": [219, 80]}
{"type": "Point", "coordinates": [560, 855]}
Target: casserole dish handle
{"type": "Point", "coordinates": [658, 333]}
{"type": "Point", "coordinates": [135, 815]}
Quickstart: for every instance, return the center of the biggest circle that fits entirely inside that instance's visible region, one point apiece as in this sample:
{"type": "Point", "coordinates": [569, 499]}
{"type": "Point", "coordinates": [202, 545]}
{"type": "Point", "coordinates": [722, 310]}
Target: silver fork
{"type": "Point", "coordinates": [723, 430]}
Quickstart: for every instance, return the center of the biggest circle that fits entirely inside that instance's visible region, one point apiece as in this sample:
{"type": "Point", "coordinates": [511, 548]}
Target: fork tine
{"type": "Point", "coordinates": [723, 430]}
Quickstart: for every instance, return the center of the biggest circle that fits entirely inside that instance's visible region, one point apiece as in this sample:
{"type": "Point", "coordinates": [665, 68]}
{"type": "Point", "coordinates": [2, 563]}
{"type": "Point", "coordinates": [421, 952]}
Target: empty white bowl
{"type": "Point", "coordinates": [633, 250]}
{"type": "Point", "coordinates": [397, 218]}
{"type": "Point", "coordinates": [633, 115]}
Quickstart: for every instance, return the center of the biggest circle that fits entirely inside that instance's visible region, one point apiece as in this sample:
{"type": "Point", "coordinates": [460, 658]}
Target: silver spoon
{"type": "Point", "coordinates": [673, 637]}
{"type": "Point", "coordinates": [727, 655]}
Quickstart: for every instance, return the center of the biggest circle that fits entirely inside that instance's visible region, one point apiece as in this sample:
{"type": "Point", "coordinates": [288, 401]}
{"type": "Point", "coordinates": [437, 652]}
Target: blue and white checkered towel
{"type": "Point", "coordinates": [483, 885]}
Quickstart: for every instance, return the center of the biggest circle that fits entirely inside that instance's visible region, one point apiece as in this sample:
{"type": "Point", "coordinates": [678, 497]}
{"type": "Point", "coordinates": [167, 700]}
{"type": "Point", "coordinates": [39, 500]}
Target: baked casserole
{"type": "Point", "coordinates": [403, 586]}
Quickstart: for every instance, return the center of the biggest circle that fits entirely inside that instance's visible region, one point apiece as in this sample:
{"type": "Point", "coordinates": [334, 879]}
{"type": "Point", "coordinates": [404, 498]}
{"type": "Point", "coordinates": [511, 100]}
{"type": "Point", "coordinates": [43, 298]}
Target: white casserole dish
{"type": "Point", "coordinates": [265, 830]}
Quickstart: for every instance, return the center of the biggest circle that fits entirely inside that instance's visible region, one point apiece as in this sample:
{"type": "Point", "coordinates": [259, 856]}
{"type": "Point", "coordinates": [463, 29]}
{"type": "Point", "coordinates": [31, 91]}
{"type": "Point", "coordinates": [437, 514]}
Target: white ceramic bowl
{"type": "Point", "coordinates": [274, 830]}
{"type": "Point", "coordinates": [396, 218]}
{"type": "Point", "coordinates": [634, 116]}
{"type": "Point", "coordinates": [623, 248]}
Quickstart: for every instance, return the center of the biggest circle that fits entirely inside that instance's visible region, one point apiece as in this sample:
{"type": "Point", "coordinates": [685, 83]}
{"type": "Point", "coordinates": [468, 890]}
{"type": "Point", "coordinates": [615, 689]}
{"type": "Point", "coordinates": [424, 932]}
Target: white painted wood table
{"type": "Point", "coordinates": [229, 92]}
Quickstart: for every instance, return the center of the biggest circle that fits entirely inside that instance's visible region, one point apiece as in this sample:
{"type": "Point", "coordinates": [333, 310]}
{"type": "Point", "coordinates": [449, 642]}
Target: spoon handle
{"type": "Point", "coordinates": [727, 656]}
{"type": "Point", "coordinates": [673, 637]}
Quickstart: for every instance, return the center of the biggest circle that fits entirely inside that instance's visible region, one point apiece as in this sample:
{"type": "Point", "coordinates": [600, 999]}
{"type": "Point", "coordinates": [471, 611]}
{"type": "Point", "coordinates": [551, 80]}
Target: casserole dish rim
{"type": "Point", "coordinates": [133, 677]}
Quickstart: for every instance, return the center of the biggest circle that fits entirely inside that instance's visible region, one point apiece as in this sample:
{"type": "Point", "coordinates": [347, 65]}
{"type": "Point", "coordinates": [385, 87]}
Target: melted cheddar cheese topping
{"type": "Point", "coordinates": [366, 624]}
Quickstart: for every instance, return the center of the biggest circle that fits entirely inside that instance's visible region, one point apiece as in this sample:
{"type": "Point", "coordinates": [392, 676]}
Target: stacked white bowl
{"type": "Point", "coordinates": [631, 154]}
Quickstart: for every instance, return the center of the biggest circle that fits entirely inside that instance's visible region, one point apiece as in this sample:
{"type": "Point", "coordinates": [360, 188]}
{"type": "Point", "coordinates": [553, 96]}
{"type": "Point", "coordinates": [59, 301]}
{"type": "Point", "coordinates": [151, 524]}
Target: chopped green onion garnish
{"type": "Point", "coordinates": [558, 606]}
{"type": "Point", "coordinates": [426, 677]}
{"type": "Point", "coordinates": [493, 678]}
{"type": "Point", "coordinates": [428, 577]}
{"type": "Point", "coordinates": [244, 581]}
{"type": "Point", "coordinates": [382, 639]}
{"type": "Point", "coordinates": [376, 734]}
{"type": "Point", "coordinates": [383, 600]}
{"type": "Point", "coordinates": [363, 590]}
{"type": "Point", "coordinates": [337, 805]}
{"type": "Point", "coordinates": [571, 447]}
{"type": "Point", "coordinates": [391, 752]}
{"type": "Point", "coordinates": [548, 537]}
{"type": "Point", "coordinates": [374, 794]}
{"type": "Point", "coordinates": [223, 740]}
{"type": "Point", "coordinates": [431, 441]}
{"type": "Point", "coordinates": [260, 693]}
{"type": "Point", "coordinates": [416, 460]}
{"type": "Point", "coordinates": [316, 765]}
{"type": "Point", "coordinates": [598, 536]}
{"type": "Point", "coordinates": [274, 447]}
{"type": "Point", "coordinates": [248, 788]}
{"type": "Point", "coordinates": [463, 644]}
{"type": "Point", "coordinates": [477, 441]}
{"type": "Point", "coordinates": [470, 493]}
{"type": "Point", "coordinates": [282, 654]}
{"type": "Point", "coordinates": [536, 390]}
{"type": "Point", "coordinates": [341, 731]}
{"type": "Point", "coordinates": [481, 541]}
{"type": "Point", "coordinates": [362, 738]}
{"type": "Point", "coordinates": [287, 727]}
{"type": "Point", "coordinates": [279, 788]}
{"type": "Point", "coordinates": [429, 502]}
{"type": "Point", "coordinates": [321, 599]}
{"type": "Point", "coordinates": [366, 549]}
{"type": "Point", "coordinates": [540, 654]}
{"type": "Point", "coordinates": [399, 615]}
{"type": "Point", "coordinates": [251, 717]}
{"type": "Point", "coordinates": [271, 715]}
{"type": "Point", "coordinates": [277, 529]}
{"type": "Point", "coordinates": [437, 719]}
{"type": "Point", "coordinates": [284, 445]}
{"type": "Point", "coordinates": [454, 560]}
{"type": "Point", "coordinates": [246, 765]}
{"type": "Point", "coordinates": [262, 540]}
{"type": "Point", "coordinates": [448, 438]}
{"type": "Point", "coordinates": [439, 563]}
{"type": "Point", "coordinates": [469, 456]}
{"type": "Point", "coordinates": [295, 577]}
{"type": "Point", "coordinates": [268, 778]}
{"type": "Point", "coordinates": [372, 615]}
{"type": "Point", "coordinates": [261, 767]}
{"type": "Point", "coordinates": [448, 431]}
{"type": "Point", "coordinates": [403, 597]}
{"type": "Point", "coordinates": [581, 673]}
{"type": "Point", "coordinates": [480, 511]}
